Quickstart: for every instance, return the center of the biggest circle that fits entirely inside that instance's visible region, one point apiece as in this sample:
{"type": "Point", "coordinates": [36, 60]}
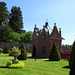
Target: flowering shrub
{"type": "Point", "coordinates": [15, 50]}
{"type": "Point", "coordinates": [11, 65]}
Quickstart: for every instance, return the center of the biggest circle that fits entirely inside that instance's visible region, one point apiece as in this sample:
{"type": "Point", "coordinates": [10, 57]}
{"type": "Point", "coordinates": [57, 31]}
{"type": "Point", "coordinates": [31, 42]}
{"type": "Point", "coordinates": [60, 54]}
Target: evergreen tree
{"type": "Point", "coordinates": [16, 22]}
{"type": "Point", "coordinates": [23, 55]}
{"type": "Point", "coordinates": [6, 50]}
{"type": "Point", "coordinates": [71, 57]}
{"type": "Point", "coordinates": [72, 60]}
{"type": "Point", "coordinates": [4, 33]}
{"type": "Point", "coordinates": [4, 14]}
{"type": "Point", "coordinates": [4, 26]}
{"type": "Point", "coordinates": [54, 55]}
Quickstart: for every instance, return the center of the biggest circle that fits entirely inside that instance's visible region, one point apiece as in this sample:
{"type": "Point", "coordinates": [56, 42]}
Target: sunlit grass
{"type": "Point", "coordinates": [38, 67]}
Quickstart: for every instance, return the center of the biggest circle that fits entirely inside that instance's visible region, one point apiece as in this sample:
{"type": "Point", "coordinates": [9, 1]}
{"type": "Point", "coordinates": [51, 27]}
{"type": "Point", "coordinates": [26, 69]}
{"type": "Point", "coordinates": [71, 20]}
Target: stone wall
{"type": "Point", "coordinates": [27, 46]}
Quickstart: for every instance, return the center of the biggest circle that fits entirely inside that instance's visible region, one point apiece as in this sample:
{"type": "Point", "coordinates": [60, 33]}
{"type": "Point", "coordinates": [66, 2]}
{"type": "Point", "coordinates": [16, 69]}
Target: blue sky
{"type": "Point", "coordinates": [61, 12]}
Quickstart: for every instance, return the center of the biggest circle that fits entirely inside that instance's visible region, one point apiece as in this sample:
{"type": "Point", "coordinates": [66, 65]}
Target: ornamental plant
{"type": "Point", "coordinates": [20, 64]}
{"type": "Point", "coordinates": [23, 55]}
{"type": "Point", "coordinates": [15, 50]}
{"type": "Point", "coordinates": [54, 55]}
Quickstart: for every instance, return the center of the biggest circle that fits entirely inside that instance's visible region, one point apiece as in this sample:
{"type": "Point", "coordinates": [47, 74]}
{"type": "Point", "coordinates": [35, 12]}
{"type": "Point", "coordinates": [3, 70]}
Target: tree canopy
{"type": "Point", "coordinates": [4, 14]}
{"type": "Point", "coordinates": [11, 25]}
{"type": "Point", "coordinates": [16, 22]}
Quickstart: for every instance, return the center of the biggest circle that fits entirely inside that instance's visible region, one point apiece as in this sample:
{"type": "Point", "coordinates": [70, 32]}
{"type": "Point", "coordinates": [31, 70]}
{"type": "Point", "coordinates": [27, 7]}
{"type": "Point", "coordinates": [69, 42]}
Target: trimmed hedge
{"type": "Point", "coordinates": [54, 55]}
{"type": "Point", "coordinates": [11, 65]}
{"type": "Point", "coordinates": [72, 60]}
{"type": "Point", "coordinates": [6, 50]}
{"type": "Point", "coordinates": [23, 55]}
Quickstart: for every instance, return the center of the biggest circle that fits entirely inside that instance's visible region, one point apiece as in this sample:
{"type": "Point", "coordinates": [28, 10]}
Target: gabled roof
{"type": "Point", "coordinates": [47, 29]}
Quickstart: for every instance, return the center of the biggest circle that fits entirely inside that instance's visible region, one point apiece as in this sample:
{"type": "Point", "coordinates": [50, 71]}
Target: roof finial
{"type": "Point", "coordinates": [54, 24]}
{"type": "Point", "coordinates": [59, 29]}
{"type": "Point", "coordinates": [43, 27]}
{"type": "Point", "coordinates": [35, 25]}
{"type": "Point", "coordinates": [46, 19]}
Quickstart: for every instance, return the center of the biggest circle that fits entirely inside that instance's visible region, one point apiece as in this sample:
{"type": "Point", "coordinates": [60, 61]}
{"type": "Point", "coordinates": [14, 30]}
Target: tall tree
{"type": "Point", "coordinates": [4, 14]}
{"type": "Point", "coordinates": [16, 22]}
{"type": "Point", "coordinates": [4, 20]}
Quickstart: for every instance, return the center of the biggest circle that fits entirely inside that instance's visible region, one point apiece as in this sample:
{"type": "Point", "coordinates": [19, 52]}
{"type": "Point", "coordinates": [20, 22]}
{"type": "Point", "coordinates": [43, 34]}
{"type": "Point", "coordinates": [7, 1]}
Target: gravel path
{"type": "Point", "coordinates": [6, 57]}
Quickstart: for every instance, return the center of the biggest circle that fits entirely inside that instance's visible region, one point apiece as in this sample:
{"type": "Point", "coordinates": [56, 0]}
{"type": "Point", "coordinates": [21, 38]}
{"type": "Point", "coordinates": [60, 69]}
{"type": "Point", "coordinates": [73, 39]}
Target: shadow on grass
{"type": "Point", "coordinates": [52, 60]}
{"type": "Point", "coordinates": [3, 67]}
{"type": "Point", "coordinates": [10, 67]}
{"type": "Point", "coordinates": [30, 57]}
{"type": "Point", "coordinates": [66, 67]}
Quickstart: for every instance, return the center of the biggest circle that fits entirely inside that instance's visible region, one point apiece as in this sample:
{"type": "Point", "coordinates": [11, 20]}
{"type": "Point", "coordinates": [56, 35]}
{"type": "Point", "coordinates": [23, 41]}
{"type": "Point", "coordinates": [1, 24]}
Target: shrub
{"type": "Point", "coordinates": [72, 60]}
{"type": "Point", "coordinates": [1, 50]}
{"type": "Point", "coordinates": [23, 55]}
{"type": "Point", "coordinates": [54, 55]}
{"type": "Point", "coordinates": [12, 45]}
{"type": "Point", "coordinates": [6, 49]}
{"type": "Point", "coordinates": [71, 56]}
{"type": "Point", "coordinates": [11, 65]}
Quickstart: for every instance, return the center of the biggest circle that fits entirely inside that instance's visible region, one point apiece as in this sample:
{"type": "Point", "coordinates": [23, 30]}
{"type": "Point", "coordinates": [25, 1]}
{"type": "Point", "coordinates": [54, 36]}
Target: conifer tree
{"type": "Point", "coordinates": [54, 55]}
{"type": "Point", "coordinates": [23, 55]}
{"type": "Point", "coordinates": [72, 60]}
{"type": "Point", "coordinates": [16, 22]}
{"type": "Point", "coordinates": [4, 14]}
{"type": "Point", "coordinates": [4, 20]}
{"type": "Point", "coordinates": [6, 50]}
{"type": "Point", "coordinates": [71, 56]}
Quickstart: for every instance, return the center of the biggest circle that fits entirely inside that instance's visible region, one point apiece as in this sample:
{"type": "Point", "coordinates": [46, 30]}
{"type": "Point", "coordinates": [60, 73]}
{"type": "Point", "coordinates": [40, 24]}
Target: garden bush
{"type": "Point", "coordinates": [72, 60]}
{"type": "Point", "coordinates": [1, 50]}
{"type": "Point", "coordinates": [11, 65]}
{"type": "Point", "coordinates": [23, 55]}
{"type": "Point", "coordinates": [71, 56]}
{"type": "Point", "coordinates": [54, 55]}
{"type": "Point", "coordinates": [6, 49]}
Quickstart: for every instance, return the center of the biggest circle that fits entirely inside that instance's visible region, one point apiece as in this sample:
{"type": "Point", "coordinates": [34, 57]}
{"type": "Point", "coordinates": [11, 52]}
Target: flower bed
{"type": "Point", "coordinates": [18, 65]}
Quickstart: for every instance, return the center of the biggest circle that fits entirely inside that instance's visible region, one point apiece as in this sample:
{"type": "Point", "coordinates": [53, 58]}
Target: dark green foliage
{"type": "Point", "coordinates": [16, 22]}
{"type": "Point", "coordinates": [14, 37]}
{"type": "Point", "coordinates": [54, 55]}
{"type": "Point", "coordinates": [72, 54]}
{"type": "Point", "coordinates": [4, 26]}
{"type": "Point", "coordinates": [4, 33]}
{"type": "Point", "coordinates": [68, 46]}
{"type": "Point", "coordinates": [26, 37]}
{"type": "Point", "coordinates": [23, 55]}
{"type": "Point", "coordinates": [72, 60]}
{"type": "Point", "coordinates": [12, 45]}
{"type": "Point", "coordinates": [4, 14]}
{"type": "Point", "coordinates": [20, 37]}
{"type": "Point", "coordinates": [6, 50]}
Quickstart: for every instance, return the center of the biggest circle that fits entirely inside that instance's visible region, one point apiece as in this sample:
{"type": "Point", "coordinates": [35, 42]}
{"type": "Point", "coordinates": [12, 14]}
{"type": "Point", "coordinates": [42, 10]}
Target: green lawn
{"type": "Point", "coordinates": [32, 67]}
